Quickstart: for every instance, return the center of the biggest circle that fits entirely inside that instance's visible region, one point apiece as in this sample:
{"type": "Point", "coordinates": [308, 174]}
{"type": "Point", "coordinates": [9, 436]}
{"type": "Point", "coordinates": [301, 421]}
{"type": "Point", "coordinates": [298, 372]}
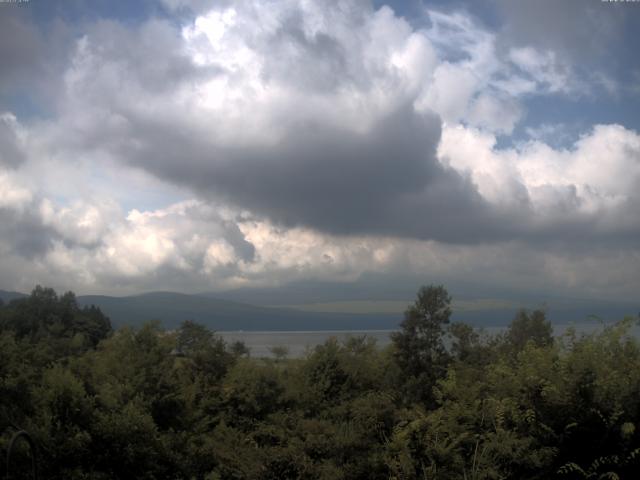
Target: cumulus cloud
{"type": "Point", "coordinates": [192, 246]}
{"type": "Point", "coordinates": [320, 116]}
{"type": "Point", "coordinates": [556, 192]}
{"type": "Point", "coordinates": [310, 140]}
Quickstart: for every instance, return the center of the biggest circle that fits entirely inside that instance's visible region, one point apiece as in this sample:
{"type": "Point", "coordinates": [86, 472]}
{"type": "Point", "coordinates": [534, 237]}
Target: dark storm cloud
{"type": "Point", "coordinates": [220, 227]}
{"type": "Point", "coordinates": [24, 234]}
{"type": "Point", "coordinates": [244, 249]}
{"type": "Point", "coordinates": [328, 70]}
{"type": "Point", "coordinates": [151, 56]}
{"type": "Point", "coordinates": [385, 181]}
{"type": "Point", "coordinates": [382, 180]}
{"type": "Point", "coordinates": [33, 58]}
{"type": "Point", "coordinates": [11, 155]}
{"type": "Point", "coordinates": [20, 48]}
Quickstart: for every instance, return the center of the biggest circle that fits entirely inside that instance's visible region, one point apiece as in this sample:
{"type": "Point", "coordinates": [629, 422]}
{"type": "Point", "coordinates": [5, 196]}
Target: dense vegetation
{"type": "Point", "coordinates": [443, 401]}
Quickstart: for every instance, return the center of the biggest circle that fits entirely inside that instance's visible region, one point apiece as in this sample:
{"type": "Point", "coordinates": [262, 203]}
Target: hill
{"type": "Point", "coordinates": [173, 308]}
{"type": "Point", "coordinates": [6, 296]}
{"type": "Point", "coordinates": [229, 314]}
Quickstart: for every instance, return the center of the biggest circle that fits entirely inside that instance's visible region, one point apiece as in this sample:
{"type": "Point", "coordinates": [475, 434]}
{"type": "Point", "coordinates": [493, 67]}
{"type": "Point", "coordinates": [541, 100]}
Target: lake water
{"type": "Point", "coordinates": [261, 343]}
{"type": "Point", "coordinates": [298, 343]}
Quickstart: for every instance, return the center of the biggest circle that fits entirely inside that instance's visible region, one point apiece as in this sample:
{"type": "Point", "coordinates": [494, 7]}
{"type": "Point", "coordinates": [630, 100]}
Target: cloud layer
{"type": "Point", "coordinates": [300, 139]}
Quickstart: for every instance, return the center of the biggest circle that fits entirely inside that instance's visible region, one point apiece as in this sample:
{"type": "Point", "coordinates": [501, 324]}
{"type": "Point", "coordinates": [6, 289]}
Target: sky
{"type": "Point", "coordinates": [200, 146]}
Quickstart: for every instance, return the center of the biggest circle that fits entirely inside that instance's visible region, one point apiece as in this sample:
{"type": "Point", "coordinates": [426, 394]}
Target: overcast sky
{"type": "Point", "coordinates": [201, 146]}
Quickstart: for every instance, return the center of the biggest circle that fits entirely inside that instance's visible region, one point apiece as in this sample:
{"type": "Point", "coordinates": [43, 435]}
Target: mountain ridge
{"type": "Point", "coordinates": [221, 314]}
{"type": "Point", "coordinates": [172, 308]}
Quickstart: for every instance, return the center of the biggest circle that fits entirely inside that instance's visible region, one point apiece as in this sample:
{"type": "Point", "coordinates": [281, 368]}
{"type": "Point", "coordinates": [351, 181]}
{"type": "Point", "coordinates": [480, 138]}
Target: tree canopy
{"type": "Point", "coordinates": [443, 401]}
{"type": "Point", "coordinates": [419, 346]}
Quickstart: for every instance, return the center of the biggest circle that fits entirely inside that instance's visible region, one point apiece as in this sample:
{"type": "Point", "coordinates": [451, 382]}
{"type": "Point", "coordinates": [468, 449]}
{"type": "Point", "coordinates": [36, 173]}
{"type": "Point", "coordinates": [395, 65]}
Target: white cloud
{"type": "Point", "coordinates": [190, 246]}
{"type": "Point", "coordinates": [550, 133]}
{"type": "Point", "coordinates": [543, 68]}
{"type": "Point", "coordinates": [598, 177]}
{"type": "Point", "coordinates": [495, 113]}
{"type": "Point", "coordinates": [451, 92]}
{"type": "Point", "coordinates": [80, 223]}
{"type": "Point", "coordinates": [267, 67]}
{"type": "Point", "coordinates": [12, 195]}
{"type": "Point", "coordinates": [251, 75]}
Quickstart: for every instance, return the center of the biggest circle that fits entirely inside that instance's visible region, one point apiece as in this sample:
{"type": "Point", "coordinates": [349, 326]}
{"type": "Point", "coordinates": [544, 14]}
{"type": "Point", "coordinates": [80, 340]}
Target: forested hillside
{"type": "Point", "coordinates": [152, 404]}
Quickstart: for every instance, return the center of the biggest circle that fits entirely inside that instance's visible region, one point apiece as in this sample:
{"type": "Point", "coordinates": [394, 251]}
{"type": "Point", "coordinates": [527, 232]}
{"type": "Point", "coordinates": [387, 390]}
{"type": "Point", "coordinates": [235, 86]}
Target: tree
{"type": "Point", "coordinates": [280, 352]}
{"type": "Point", "coordinates": [193, 338]}
{"type": "Point", "coordinates": [206, 351]}
{"type": "Point", "coordinates": [239, 349]}
{"type": "Point", "coordinates": [57, 321]}
{"type": "Point", "coordinates": [529, 327]}
{"type": "Point", "coordinates": [419, 349]}
{"type": "Point", "coordinates": [464, 340]}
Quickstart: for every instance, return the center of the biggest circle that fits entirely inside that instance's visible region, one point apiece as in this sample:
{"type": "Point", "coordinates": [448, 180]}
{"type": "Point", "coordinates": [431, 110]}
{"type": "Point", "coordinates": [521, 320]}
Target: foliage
{"type": "Point", "coordinates": [156, 404]}
{"type": "Point", "coordinates": [419, 346]}
{"type": "Point", "coordinates": [529, 327]}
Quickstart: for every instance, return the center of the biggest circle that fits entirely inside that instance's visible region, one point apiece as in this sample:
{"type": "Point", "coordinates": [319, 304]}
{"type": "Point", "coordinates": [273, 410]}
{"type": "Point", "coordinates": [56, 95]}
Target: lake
{"type": "Point", "coordinates": [298, 343]}
{"type": "Point", "coordinates": [261, 343]}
